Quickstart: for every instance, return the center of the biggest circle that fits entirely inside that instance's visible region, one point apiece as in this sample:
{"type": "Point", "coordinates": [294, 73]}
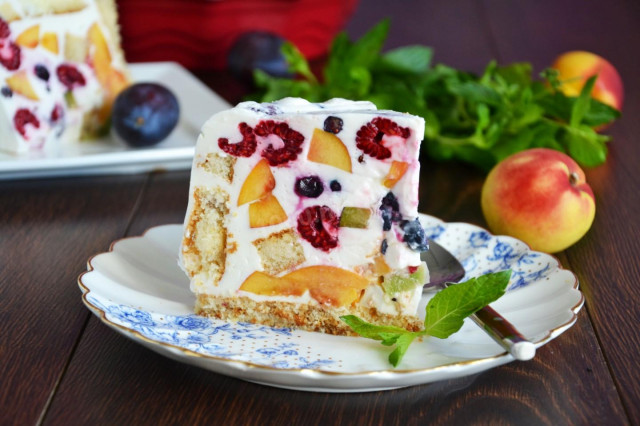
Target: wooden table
{"type": "Point", "coordinates": [60, 365]}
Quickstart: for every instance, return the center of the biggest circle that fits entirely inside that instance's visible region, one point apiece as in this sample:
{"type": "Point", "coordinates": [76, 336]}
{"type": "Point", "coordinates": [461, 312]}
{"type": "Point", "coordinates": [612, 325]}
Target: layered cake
{"type": "Point", "coordinates": [61, 68]}
{"type": "Point", "coordinates": [299, 213]}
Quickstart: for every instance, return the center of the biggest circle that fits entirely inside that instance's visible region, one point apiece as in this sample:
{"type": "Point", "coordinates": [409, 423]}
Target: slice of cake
{"type": "Point", "coordinates": [300, 213]}
{"type": "Point", "coordinates": [61, 68]}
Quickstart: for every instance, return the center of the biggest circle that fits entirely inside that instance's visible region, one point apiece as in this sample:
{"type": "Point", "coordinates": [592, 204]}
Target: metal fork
{"type": "Point", "coordinates": [445, 270]}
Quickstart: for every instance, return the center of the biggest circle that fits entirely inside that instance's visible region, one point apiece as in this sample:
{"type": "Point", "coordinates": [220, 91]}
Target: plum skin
{"type": "Point", "coordinates": [145, 114]}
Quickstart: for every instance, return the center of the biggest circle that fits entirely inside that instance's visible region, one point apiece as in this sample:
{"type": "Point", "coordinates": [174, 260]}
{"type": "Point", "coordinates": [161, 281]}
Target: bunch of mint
{"type": "Point", "coordinates": [476, 119]}
{"type": "Point", "coordinates": [445, 313]}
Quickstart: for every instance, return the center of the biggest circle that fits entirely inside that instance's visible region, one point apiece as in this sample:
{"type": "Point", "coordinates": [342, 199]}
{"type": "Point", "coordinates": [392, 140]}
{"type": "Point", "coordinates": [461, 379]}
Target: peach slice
{"type": "Point", "coordinates": [266, 212]}
{"type": "Point", "coordinates": [19, 83]}
{"type": "Point", "coordinates": [111, 79]}
{"type": "Point", "coordinates": [29, 37]}
{"type": "Point", "coordinates": [100, 55]}
{"type": "Point", "coordinates": [258, 183]}
{"type": "Point", "coordinates": [397, 170]}
{"type": "Point", "coordinates": [381, 266]}
{"type": "Point", "coordinates": [328, 284]}
{"type": "Point", "coordinates": [50, 42]}
{"type": "Point", "coordinates": [267, 285]}
{"type": "Point", "coordinates": [327, 148]}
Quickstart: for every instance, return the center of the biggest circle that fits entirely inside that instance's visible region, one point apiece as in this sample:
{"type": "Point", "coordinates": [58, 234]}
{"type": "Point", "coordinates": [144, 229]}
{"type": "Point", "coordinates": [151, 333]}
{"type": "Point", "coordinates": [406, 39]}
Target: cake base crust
{"type": "Point", "coordinates": [310, 317]}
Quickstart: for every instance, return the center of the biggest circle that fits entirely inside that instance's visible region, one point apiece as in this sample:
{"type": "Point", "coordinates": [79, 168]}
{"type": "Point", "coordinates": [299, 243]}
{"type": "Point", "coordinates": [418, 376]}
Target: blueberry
{"type": "Point", "coordinates": [414, 235]}
{"type": "Point", "coordinates": [42, 72]}
{"type": "Point", "coordinates": [145, 113]}
{"type": "Point", "coordinates": [309, 186]}
{"type": "Point", "coordinates": [258, 50]}
{"type": "Point", "coordinates": [335, 186]}
{"type": "Point", "coordinates": [6, 92]}
{"type": "Point", "coordinates": [390, 211]}
{"type": "Point", "coordinates": [384, 246]}
{"type": "Point", "coordinates": [333, 124]}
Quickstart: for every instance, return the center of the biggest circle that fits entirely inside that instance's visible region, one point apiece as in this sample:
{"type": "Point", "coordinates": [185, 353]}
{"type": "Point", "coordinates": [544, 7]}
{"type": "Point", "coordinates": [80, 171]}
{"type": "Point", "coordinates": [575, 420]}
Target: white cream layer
{"type": "Point", "coordinates": [361, 188]}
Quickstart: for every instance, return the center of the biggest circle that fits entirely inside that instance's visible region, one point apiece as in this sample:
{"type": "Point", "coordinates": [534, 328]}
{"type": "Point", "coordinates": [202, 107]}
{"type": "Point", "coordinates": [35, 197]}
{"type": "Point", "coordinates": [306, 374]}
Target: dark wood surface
{"type": "Point", "coordinates": [60, 365]}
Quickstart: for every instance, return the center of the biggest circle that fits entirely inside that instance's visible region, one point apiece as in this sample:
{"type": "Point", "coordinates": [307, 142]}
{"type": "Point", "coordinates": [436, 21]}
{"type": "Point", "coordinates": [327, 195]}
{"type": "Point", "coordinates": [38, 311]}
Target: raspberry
{"type": "Point", "coordinates": [57, 113]}
{"type": "Point", "coordinates": [70, 76]}
{"type": "Point", "coordinates": [10, 55]}
{"type": "Point", "coordinates": [319, 225]}
{"type": "Point", "coordinates": [4, 29]}
{"type": "Point", "coordinates": [292, 142]}
{"type": "Point", "coordinates": [22, 118]}
{"type": "Point", "coordinates": [369, 137]}
{"type": "Point", "coordinates": [390, 128]}
{"type": "Point", "coordinates": [245, 148]}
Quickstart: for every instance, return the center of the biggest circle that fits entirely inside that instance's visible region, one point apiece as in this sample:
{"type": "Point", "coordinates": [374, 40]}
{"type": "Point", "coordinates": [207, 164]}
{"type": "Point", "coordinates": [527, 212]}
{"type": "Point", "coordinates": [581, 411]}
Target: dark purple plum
{"type": "Point", "coordinates": [145, 113]}
{"type": "Point", "coordinates": [257, 50]}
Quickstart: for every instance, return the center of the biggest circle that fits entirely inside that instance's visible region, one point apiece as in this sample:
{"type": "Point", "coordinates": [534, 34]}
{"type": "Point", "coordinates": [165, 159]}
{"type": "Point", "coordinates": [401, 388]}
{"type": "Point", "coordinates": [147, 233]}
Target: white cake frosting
{"type": "Point", "coordinates": [361, 188]}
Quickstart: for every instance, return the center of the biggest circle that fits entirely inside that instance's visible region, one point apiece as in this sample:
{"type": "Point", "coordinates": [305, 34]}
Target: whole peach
{"type": "Point", "coordinates": [577, 67]}
{"type": "Point", "coordinates": [539, 196]}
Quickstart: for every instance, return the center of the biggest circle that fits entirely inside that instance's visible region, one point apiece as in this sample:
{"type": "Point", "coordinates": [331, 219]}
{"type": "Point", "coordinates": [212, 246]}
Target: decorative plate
{"type": "Point", "coordinates": [138, 289]}
{"type": "Point", "coordinates": [108, 155]}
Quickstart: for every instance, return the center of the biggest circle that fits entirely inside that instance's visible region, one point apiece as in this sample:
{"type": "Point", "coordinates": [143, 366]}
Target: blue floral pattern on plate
{"type": "Point", "coordinates": [202, 335]}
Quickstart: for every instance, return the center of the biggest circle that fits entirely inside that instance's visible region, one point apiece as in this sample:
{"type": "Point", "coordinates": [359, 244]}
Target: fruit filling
{"type": "Point", "coordinates": [319, 226]}
{"type": "Point", "coordinates": [390, 211]}
{"type": "Point", "coordinates": [309, 186]}
{"type": "Point", "coordinates": [370, 137]}
{"type": "Point", "coordinates": [245, 148]}
{"type": "Point", "coordinates": [9, 55]}
{"type": "Point", "coordinates": [292, 142]}
{"type": "Point", "coordinates": [23, 118]}
{"type": "Point", "coordinates": [70, 76]}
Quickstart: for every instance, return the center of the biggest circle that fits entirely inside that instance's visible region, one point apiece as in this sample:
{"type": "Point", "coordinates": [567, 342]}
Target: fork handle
{"type": "Point", "coordinates": [504, 333]}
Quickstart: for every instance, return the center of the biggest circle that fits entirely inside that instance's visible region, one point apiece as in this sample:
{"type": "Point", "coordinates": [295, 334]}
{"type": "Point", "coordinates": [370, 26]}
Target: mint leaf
{"type": "Point", "coordinates": [445, 313]}
{"type": "Point", "coordinates": [297, 62]}
{"type": "Point", "coordinates": [388, 336]}
{"type": "Point", "coordinates": [586, 146]}
{"type": "Point", "coordinates": [581, 106]}
{"type": "Point", "coordinates": [402, 344]}
{"type": "Point", "coordinates": [386, 333]}
{"type": "Point", "coordinates": [408, 59]}
{"type": "Point", "coordinates": [447, 310]}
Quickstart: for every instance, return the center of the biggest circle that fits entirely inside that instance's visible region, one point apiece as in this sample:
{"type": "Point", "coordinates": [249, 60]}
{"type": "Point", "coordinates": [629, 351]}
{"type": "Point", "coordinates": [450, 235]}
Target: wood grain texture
{"type": "Point", "coordinates": [47, 231]}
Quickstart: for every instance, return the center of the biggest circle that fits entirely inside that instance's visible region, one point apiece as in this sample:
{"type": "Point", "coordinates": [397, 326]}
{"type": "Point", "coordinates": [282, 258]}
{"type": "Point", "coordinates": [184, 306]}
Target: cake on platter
{"type": "Point", "coordinates": [61, 67]}
{"type": "Point", "coordinates": [302, 212]}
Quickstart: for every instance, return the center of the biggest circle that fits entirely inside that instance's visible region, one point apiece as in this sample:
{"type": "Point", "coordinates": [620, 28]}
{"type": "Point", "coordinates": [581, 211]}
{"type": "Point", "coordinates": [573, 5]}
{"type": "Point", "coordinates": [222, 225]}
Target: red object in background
{"type": "Point", "coordinates": [199, 33]}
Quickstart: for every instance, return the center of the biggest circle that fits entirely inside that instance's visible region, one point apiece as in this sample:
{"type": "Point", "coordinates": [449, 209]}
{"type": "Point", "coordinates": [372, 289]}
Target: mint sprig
{"type": "Point", "coordinates": [445, 313]}
{"type": "Point", "coordinates": [478, 119]}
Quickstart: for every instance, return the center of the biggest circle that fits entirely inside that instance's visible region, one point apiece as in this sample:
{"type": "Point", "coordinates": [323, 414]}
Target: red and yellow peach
{"type": "Point", "coordinates": [576, 67]}
{"type": "Point", "coordinates": [541, 197]}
